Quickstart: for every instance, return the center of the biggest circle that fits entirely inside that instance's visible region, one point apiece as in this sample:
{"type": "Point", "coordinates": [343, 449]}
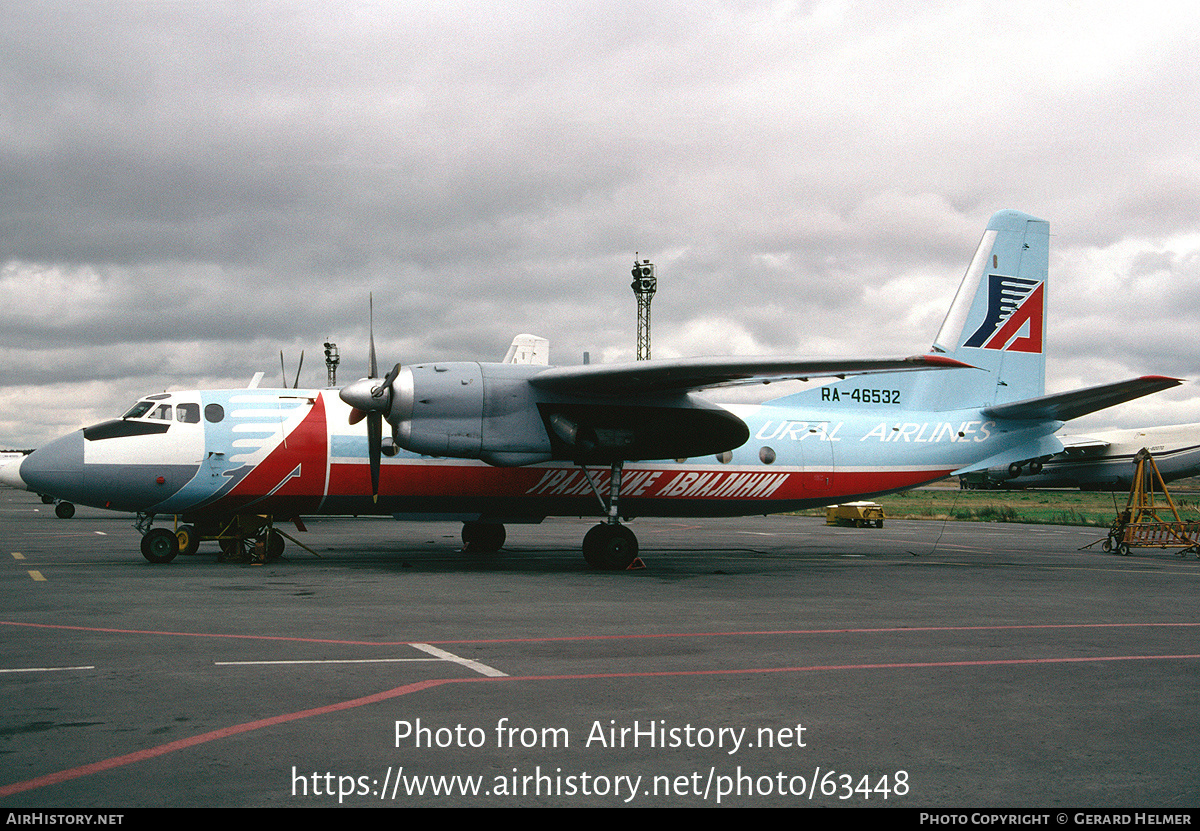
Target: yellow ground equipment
{"type": "Point", "coordinates": [1148, 522]}
{"type": "Point", "coordinates": [246, 538]}
{"type": "Point", "coordinates": [858, 514]}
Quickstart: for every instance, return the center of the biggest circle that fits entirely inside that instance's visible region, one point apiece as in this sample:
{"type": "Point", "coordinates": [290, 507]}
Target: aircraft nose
{"type": "Point", "coordinates": [56, 468]}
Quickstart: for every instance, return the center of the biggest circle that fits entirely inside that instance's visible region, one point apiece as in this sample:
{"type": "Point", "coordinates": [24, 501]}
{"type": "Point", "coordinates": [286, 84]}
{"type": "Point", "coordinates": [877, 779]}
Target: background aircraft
{"type": "Point", "coordinates": [8, 457]}
{"type": "Point", "coordinates": [1101, 461]}
{"type": "Point", "coordinates": [496, 443]}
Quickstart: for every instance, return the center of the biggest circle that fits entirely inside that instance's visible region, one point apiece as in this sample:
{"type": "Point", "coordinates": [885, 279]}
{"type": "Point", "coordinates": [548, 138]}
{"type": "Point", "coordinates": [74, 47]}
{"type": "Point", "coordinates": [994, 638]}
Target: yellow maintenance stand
{"type": "Point", "coordinates": [1140, 525]}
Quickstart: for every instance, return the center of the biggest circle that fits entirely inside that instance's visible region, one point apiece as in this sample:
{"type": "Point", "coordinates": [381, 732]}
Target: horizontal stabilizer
{"type": "Point", "coordinates": [528, 349]}
{"type": "Point", "coordinates": [1065, 406]}
{"type": "Point", "coordinates": [686, 374]}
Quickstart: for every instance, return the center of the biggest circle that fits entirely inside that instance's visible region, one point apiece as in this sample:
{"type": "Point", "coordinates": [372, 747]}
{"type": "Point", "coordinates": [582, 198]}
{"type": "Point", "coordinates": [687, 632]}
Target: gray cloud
{"type": "Point", "coordinates": [186, 189]}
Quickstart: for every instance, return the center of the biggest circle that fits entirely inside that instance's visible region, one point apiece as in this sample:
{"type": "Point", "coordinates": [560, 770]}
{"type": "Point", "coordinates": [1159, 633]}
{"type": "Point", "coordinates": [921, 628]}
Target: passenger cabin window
{"type": "Point", "coordinates": [188, 413]}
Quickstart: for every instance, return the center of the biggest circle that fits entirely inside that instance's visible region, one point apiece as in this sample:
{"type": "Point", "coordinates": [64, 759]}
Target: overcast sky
{"type": "Point", "coordinates": [186, 188]}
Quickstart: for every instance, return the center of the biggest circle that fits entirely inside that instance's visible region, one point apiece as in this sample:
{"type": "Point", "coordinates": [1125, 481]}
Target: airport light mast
{"type": "Point", "coordinates": [332, 359]}
{"type": "Point", "coordinates": [644, 285]}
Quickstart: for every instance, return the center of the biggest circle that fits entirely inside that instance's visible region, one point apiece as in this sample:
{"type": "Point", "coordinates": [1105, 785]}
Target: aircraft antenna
{"type": "Point", "coordinates": [332, 359]}
{"type": "Point", "coordinates": [644, 285]}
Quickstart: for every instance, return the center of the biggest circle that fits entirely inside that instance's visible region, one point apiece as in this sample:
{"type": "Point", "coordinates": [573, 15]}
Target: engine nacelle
{"type": "Point", "coordinates": [469, 410]}
{"type": "Point", "coordinates": [491, 412]}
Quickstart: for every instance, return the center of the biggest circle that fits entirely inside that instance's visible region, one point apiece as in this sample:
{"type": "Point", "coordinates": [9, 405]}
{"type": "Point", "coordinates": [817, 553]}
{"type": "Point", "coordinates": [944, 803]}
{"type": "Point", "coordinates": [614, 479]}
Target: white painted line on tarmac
{"type": "Point", "coordinates": [482, 669]}
{"type": "Point", "coordinates": [438, 655]}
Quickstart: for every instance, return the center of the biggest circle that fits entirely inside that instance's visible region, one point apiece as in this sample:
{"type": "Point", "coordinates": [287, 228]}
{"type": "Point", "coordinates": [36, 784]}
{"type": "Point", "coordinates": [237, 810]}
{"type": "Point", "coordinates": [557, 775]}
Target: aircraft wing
{"type": "Point", "coordinates": [1065, 406]}
{"type": "Point", "coordinates": [685, 374]}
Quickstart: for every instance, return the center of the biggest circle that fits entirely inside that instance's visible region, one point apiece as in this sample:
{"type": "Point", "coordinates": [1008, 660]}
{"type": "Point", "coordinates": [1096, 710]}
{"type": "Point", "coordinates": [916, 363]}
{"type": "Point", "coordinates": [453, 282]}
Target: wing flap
{"type": "Point", "coordinates": [1065, 406]}
{"type": "Point", "coordinates": [687, 374]}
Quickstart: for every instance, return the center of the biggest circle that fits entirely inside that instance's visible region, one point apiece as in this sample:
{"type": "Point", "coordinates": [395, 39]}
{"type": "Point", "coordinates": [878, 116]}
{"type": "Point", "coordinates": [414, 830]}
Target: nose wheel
{"type": "Point", "coordinates": [160, 545]}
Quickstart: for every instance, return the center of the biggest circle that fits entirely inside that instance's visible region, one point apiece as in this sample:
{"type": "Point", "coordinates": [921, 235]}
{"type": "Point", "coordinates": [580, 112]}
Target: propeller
{"type": "Point", "coordinates": [283, 371]}
{"type": "Point", "coordinates": [372, 401]}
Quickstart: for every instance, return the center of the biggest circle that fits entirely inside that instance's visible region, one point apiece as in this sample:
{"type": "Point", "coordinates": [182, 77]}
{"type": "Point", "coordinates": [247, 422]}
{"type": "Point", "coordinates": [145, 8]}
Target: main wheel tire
{"type": "Point", "coordinates": [160, 545]}
{"type": "Point", "coordinates": [483, 537]}
{"type": "Point", "coordinates": [610, 547]}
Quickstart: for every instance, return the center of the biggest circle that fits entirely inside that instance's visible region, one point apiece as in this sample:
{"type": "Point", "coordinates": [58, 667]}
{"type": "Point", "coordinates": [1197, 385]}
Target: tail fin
{"type": "Point", "coordinates": [996, 323]}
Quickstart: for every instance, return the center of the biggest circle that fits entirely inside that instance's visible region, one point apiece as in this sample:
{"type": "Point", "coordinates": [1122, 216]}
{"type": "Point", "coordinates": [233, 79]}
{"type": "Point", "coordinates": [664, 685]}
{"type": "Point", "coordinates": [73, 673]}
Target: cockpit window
{"type": "Point", "coordinates": [152, 407]}
{"type": "Point", "coordinates": [188, 413]}
{"type": "Point", "coordinates": [139, 409]}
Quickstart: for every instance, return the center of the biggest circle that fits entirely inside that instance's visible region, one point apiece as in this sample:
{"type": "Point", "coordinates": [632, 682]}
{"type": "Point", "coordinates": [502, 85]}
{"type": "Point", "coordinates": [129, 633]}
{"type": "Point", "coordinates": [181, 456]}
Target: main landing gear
{"type": "Point", "coordinates": [610, 546]}
{"type": "Point", "coordinates": [482, 537]}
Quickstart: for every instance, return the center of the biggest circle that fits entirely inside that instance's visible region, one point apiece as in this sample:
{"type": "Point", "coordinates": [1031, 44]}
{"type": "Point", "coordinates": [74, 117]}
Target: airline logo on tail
{"type": "Point", "coordinates": [1014, 317]}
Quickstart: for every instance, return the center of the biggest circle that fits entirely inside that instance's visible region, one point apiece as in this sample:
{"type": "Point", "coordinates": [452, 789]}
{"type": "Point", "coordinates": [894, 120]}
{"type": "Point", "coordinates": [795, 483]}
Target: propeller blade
{"type": "Point", "coordinates": [356, 415]}
{"type": "Point", "coordinates": [389, 378]}
{"type": "Point", "coordinates": [282, 370]}
{"type": "Point", "coordinates": [296, 385]}
{"type": "Point", "coordinates": [375, 446]}
{"type": "Point", "coordinates": [372, 366]}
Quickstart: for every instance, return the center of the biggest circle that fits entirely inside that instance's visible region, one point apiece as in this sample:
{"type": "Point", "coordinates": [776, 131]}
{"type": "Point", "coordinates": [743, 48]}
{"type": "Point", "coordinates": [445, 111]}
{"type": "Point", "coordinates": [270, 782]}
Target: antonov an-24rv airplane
{"type": "Point", "coordinates": [495, 443]}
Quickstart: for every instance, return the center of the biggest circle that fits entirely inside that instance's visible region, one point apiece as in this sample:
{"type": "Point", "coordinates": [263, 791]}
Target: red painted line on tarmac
{"type": "Point", "coordinates": [861, 631]}
{"type": "Point", "coordinates": [732, 634]}
{"type": "Point", "coordinates": [224, 733]}
{"type": "Point", "coordinates": [407, 689]}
